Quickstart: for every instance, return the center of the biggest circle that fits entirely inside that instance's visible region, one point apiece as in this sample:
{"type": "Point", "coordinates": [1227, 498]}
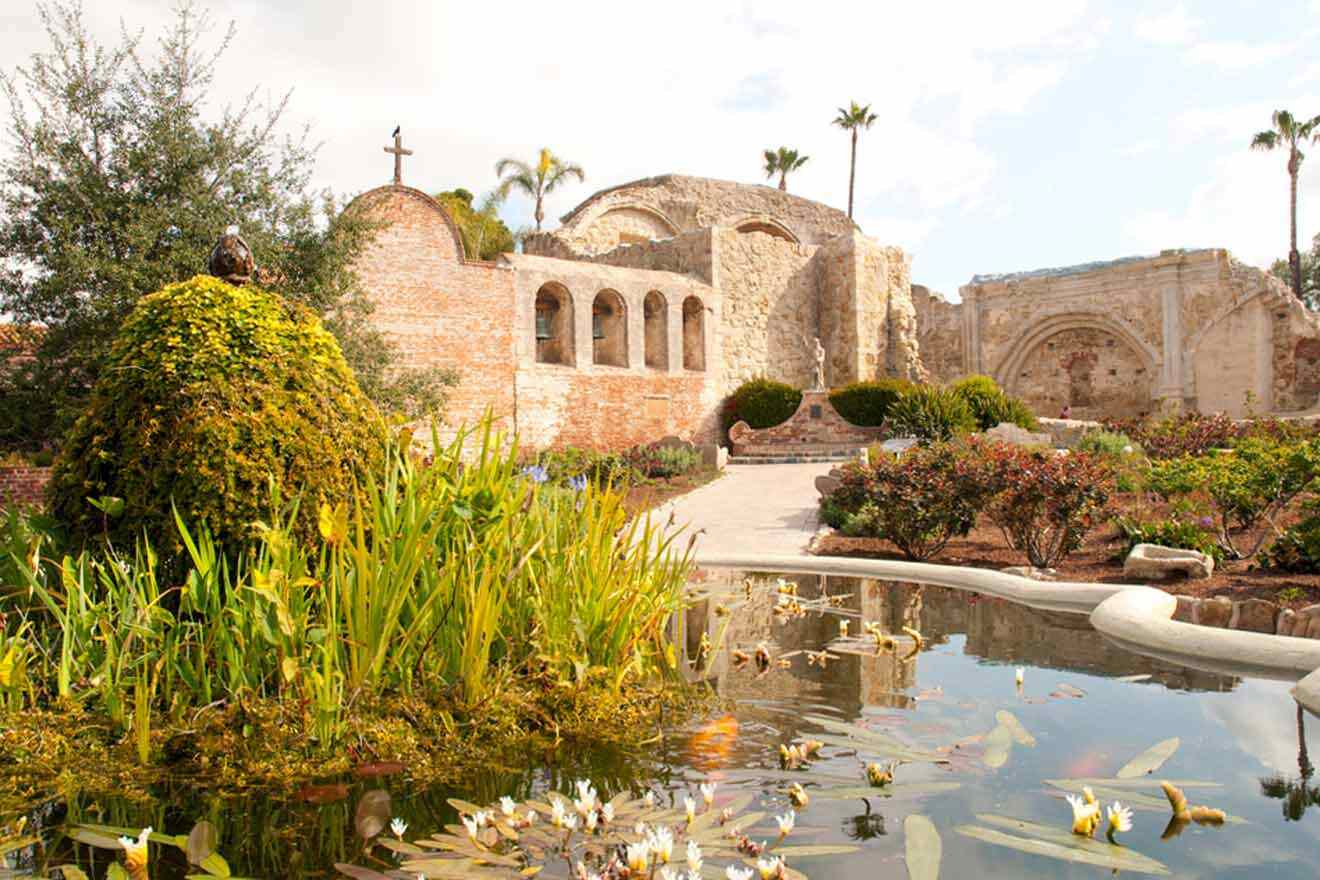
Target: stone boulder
{"type": "Point", "coordinates": [1157, 563]}
{"type": "Point", "coordinates": [1254, 615]}
{"type": "Point", "coordinates": [826, 484]}
{"type": "Point", "coordinates": [899, 445]}
{"type": "Point", "coordinates": [1217, 612]}
{"type": "Point", "coordinates": [1007, 432]}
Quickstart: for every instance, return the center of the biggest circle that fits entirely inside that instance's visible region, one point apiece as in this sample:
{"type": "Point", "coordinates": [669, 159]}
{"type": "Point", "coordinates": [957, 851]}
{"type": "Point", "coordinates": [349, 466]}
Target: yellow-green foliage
{"type": "Point", "coordinates": [209, 394]}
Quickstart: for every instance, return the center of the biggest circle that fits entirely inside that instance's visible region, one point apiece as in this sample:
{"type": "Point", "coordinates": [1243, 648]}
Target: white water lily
{"type": "Point", "coordinates": [557, 813]}
{"type": "Point", "coordinates": [694, 859]}
{"type": "Point", "coordinates": [668, 873]}
{"type": "Point", "coordinates": [471, 825]}
{"type": "Point", "coordinates": [708, 792]}
{"type": "Point", "coordinates": [589, 822]}
{"type": "Point", "coordinates": [649, 799]}
{"type": "Point", "coordinates": [661, 844]}
{"type": "Point", "coordinates": [586, 793]}
{"type": "Point", "coordinates": [1120, 820]}
{"type": "Point", "coordinates": [639, 857]}
{"type": "Point", "coordinates": [1021, 673]}
{"type": "Point", "coordinates": [733, 872]}
{"type": "Point", "coordinates": [1085, 816]}
{"type": "Point", "coordinates": [607, 812]}
{"type": "Point", "coordinates": [398, 826]}
{"type": "Point", "coordinates": [570, 821]}
{"type": "Point", "coordinates": [843, 629]}
{"type": "Point", "coordinates": [786, 822]}
{"type": "Point", "coordinates": [531, 817]}
{"type": "Point", "coordinates": [507, 805]}
{"type": "Point", "coordinates": [640, 828]}
{"type": "Point", "coordinates": [770, 868]}
{"type": "Point", "coordinates": [135, 851]}
{"type": "Point", "coordinates": [690, 807]}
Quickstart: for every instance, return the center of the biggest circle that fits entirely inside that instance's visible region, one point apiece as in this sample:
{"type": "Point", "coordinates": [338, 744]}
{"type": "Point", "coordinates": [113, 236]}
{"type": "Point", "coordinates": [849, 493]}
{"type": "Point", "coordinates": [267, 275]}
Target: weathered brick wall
{"type": "Point", "coordinates": [23, 486]}
{"type": "Point", "coordinates": [939, 334]}
{"type": "Point", "coordinates": [815, 423]}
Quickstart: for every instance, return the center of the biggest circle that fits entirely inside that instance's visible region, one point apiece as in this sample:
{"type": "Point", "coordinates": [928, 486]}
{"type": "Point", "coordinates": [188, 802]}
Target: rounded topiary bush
{"type": "Point", "coordinates": [209, 394]}
{"type": "Point", "coordinates": [762, 403]}
{"type": "Point", "coordinates": [991, 405]}
{"type": "Point", "coordinates": [867, 404]}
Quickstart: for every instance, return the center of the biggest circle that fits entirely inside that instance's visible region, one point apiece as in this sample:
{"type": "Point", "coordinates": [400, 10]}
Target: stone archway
{"type": "Point", "coordinates": [1091, 364]}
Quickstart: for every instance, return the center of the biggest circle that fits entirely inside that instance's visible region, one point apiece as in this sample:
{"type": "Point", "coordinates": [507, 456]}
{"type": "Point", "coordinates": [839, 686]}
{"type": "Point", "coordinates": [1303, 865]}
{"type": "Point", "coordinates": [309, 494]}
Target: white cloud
{"type": "Point", "coordinates": [1174, 27]}
{"type": "Point", "coordinates": [1232, 55]}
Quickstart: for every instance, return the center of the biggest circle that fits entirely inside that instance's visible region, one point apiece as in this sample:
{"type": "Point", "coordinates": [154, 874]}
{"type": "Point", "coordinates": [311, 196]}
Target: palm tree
{"type": "Point", "coordinates": [1289, 132]}
{"type": "Point", "coordinates": [536, 181]}
{"type": "Point", "coordinates": [782, 161]}
{"type": "Point", "coordinates": [854, 119]}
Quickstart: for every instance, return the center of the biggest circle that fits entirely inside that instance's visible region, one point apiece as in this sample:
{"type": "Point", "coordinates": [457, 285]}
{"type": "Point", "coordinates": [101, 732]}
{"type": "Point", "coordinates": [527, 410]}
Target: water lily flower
{"type": "Point", "coordinates": [843, 629]}
{"type": "Point", "coordinates": [708, 792]}
{"type": "Point", "coordinates": [589, 822]}
{"type": "Point", "coordinates": [786, 822]}
{"type": "Point", "coordinates": [668, 873]}
{"type": "Point", "coordinates": [471, 825]}
{"type": "Point", "coordinates": [639, 828]}
{"type": "Point", "coordinates": [482, 818]}
{"type": "Point", "coordinates": [531, 817]}
{"type": "Point", "coordinates": [398, 826]}
{"type": "Point", "coordinates": [586, 791]}
{"type": "Point", "coordinates": [570, 821]}
{"type": "Point", "coordinates": [733, 872]}
{"type": "Point", "coordinates": [690, 806]}
{"type": "Point", "coordinates": [607, 812]}
{"type": "Point", "coordinates": [649, 799]}
{"type": "Point", "coordinates": [507, 805]}
{"type": "Point", "coordinates": [1120, 820]}
{"type": "Point", "coordinates": [135, 851]}
{"type": "Point", "coordinates": [557, 812]}
{"type": "Point", "coordinates": [770, 868]}
{"type": "Point", "coordinates": [1019, 674]}
{"type": "Point", "coordinates": [798, 795]}
{"type": "Point", "coordinates": [1085, 816]}
{"type": "Point", "coordinates": [694, 857]}
{"type": "Point", "coordinates": [661, 844]}
{"type": "Point", "coordinates": [639, 857]}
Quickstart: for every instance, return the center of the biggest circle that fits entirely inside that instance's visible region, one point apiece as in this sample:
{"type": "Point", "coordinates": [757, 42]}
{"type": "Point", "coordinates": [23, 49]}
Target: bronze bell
{"type": "Point", "coordinates": [231, 259]}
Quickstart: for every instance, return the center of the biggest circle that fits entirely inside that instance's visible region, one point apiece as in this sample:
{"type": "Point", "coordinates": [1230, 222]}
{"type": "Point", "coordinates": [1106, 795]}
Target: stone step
{"type": "Point", "coordinates": [793, 458]}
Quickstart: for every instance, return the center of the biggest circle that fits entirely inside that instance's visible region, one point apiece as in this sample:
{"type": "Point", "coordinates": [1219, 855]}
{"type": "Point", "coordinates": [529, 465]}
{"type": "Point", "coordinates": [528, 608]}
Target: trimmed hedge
{"type": "Point", "coordinates": [761, 403]}
{"type": "Point", "coordinates": [211, 395]}
{"type": "Point", "coordinates": [991, 405]}
{"type": "Point", "coordinates": [867, 404]}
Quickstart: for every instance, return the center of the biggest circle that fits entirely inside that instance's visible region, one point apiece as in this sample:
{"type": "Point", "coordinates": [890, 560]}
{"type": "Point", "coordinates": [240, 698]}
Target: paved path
{"type": "Point", "coordinates": [753, 508]}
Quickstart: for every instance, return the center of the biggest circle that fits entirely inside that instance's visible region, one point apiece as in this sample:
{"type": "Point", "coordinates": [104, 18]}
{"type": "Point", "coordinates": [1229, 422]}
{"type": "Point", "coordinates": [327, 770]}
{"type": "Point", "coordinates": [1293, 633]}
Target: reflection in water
{"type": "Point", "coordinates": [1242, 735]}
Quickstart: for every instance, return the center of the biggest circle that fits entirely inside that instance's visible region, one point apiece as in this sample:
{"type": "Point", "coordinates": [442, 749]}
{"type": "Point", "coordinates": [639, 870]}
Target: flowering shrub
{"type": "Point", "coordinates": [1246, 486]}
{"type": "Point", "coordinates": [917, 501]}
{"type": "Point", "coordinates": [1177, 435]}
{"type": "Point", "coordinates": [1043, 502]}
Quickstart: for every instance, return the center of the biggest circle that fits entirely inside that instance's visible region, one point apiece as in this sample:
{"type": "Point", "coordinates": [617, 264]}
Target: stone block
{"type": "Point", "coordinates": [672, 442]}
{"type": "Point", "coordinates": [1035, 574]}
{"type": "Point", "coordinates": [713, 456]}
{"type": "Point", "coordinates": [1186, 610]}
{"type": "Point", "coordinates": [1159, 563]}
{"type": "Point", "coordinates": [1254, 615]}
{"type": "Point", "coordinates": [1007, 432]}
{"type": "Point", "coordinates": [899, 445]}
{"type": "Point", "coordinates": [1283, 625]}
{"type": "Point", "coordinates": [1215, 612]}
{"type": "Point", "coordinates": [827, 484]}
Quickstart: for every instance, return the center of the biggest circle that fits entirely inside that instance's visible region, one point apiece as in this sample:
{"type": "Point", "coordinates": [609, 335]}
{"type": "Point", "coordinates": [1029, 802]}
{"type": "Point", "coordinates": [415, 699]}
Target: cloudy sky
{"type": "Point", "coordinates": [1011, 135]}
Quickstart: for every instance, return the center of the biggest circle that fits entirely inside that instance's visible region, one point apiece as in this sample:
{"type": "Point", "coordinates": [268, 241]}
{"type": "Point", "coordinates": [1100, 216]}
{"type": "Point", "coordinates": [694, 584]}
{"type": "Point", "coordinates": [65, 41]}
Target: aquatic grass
{"type": "Point", "coordinates": [433, 578]}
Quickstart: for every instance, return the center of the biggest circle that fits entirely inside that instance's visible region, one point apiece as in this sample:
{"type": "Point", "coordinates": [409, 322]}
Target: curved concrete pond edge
{"type": "Point", "coordinates": [1138, 618]}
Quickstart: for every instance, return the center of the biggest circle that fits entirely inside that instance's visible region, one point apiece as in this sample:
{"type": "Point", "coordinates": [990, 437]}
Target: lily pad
{"type": "Point", "coordinates": [1122, 859]}
{"type": "Point", "coordinates": [1020, 734]}
{"type": "Point", "coordinates": [898, 789]}
{"type": "Point", "coordinates": [998, 743]}
{"type": "Point", "coordinates": [922, 848]}
{"type": "Point", "coordinates": [1150, 760]}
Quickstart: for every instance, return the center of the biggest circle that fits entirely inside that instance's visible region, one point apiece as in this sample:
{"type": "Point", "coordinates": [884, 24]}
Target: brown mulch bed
{"type": "Point", "coordinates": [1098, 561]}
{"type": "Point", "coordinates": [653, 493]}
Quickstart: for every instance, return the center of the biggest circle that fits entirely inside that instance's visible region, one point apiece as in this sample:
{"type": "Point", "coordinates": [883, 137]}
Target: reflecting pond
{"type": "Point", "coordinates": [987, 760]}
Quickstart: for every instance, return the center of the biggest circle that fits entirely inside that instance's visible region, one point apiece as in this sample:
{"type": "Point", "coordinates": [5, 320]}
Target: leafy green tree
{"type": "Point", "coordinates": [536, 181]}
{"type": "Point", "coordinates": [783, 161]}
{"type": "Point", "coordinates": [853, 119]}
{"type": "Point", "coordinates": [122, 175]}
{"type": "Point", "coordinates": [484, 234]}
{"type": "Point", "coordinates": [1287, 133]}
{"type": "Point", "coordinates": [1310, 262]}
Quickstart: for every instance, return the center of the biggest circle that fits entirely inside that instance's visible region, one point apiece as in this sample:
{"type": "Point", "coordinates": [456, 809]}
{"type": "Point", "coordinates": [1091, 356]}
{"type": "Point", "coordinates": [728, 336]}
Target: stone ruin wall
{"type": "Point", "coordinates": [939, 333]}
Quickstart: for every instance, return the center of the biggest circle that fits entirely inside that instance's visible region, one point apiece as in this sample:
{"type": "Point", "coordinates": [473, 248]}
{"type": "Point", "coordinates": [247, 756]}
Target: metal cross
{"type": "Point", "coordinates": [399, 152]}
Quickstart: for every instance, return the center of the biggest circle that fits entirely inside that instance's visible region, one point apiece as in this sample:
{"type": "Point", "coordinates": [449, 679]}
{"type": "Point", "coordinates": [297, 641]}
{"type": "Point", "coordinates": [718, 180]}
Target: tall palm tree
{"type": "Point", "coordinates": [538, 180]}
{"type": "Point", "coordinates": [781, 162]}
{"type": "Point", "coordinates": [853, 119]}
{"type": "Point", "coordinates": [1289, 132]}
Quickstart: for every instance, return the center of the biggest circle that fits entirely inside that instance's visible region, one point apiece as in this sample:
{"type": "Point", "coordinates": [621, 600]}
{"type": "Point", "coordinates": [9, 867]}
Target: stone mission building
{"type": "Point", "coordinates": [655, 299]}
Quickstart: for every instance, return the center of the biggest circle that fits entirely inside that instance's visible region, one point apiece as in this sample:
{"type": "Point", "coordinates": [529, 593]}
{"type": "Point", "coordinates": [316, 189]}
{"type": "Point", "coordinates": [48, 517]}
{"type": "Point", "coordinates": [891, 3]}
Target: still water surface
{"type": "Point", "coordinates": [1090, 706]}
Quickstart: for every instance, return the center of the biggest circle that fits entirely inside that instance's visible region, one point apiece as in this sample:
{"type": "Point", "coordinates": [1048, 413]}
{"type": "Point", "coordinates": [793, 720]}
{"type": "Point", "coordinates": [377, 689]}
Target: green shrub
{"type": "Point", "coordinates": [1246, 486]}
{"type": "Point", "coordinates": [672, 461]}
{"type": "Point", "coordinates": [931, 414]}
{"type": "Point", "coordinates": [918, 501]}
{"type": "Point", "coordinates": [1298, 548]}
{"type": "Point", "coordinates": [210, 394]}
{"type": "Point", "coordinates": [761, 403]}
{"type": "Point", "coordinates": [1178, 532]}
{"type": "Point", "coordinates": [1045, 503]}
{"type": "Point", "coordinates": [1108, 443]}
{"type": "Point", "coordinates": [600, 468]}
{"type": "Point", "coordinates": [867, 403]}
{"type": "Point", "coordinates": [991, 406]}
{"type": "Point", "coordinates": [1177, 435]}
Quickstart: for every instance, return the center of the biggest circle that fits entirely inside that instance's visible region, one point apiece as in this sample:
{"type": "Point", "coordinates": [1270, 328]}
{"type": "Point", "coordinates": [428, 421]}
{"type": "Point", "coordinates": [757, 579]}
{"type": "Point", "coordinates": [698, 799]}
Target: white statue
{"type": "Point", "coordinates": [818, 352]}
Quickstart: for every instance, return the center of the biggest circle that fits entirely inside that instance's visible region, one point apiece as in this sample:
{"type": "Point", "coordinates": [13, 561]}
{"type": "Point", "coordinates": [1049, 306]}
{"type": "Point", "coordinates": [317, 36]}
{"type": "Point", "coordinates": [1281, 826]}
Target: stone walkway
{"type": "Point", "coordinates": [757, 508]}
